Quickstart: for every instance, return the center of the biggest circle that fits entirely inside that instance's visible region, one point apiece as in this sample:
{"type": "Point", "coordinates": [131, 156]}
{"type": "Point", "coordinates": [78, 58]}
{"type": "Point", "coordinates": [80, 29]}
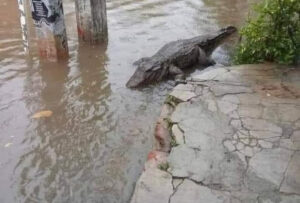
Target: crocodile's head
{"type": "Point", "coordinates": [147, 72]}
{"type": "Point", "coordinates": [213, 41]}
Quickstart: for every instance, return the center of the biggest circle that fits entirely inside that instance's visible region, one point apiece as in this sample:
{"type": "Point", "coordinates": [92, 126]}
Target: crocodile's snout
{"type": "Point", "coordinates": [136, 80]}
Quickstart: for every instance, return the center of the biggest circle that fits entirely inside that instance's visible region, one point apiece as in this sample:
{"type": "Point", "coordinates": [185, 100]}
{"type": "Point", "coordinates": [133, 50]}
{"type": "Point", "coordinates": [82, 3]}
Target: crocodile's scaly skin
{"type": "Point", "coordinates": [181, 54]}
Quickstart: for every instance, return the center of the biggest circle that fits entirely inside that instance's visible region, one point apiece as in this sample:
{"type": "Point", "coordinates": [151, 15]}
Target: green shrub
{"type": "Point", "coordinates": [273, 35]}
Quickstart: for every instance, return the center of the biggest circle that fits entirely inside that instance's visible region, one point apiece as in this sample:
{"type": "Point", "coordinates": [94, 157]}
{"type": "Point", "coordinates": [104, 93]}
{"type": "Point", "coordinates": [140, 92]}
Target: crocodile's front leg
{"type": "Point", "coordinates": [177, 73]}
{"type": "Point", "coordinates": [205, 60]}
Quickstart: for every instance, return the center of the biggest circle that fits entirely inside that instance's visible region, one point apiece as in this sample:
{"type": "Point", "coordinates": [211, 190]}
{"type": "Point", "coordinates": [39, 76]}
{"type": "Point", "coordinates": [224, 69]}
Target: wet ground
{"type": "Point", "coordinates": [93, 147]}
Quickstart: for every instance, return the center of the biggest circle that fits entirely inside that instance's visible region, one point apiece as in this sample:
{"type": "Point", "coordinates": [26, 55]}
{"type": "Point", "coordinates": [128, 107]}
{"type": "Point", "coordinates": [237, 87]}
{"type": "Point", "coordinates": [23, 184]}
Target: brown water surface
{"type": "Point", "coordinates": [93, 147]}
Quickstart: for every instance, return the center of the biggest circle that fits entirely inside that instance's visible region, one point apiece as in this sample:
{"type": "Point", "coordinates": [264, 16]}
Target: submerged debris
{"type": "Point", "coordinates": [42, 114]}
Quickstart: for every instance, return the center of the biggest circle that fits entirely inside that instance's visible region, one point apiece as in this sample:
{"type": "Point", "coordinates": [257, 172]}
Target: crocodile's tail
{"type": "Point", "coordinates": [229, 29]}
{"type": "Point", "coordinates": [214, 40]}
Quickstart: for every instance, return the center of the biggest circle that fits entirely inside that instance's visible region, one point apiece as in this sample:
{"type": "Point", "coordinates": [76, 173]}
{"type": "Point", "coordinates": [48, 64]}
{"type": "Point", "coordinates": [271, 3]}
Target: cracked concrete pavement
{"type": "Point", "coordinates": [231, 134]}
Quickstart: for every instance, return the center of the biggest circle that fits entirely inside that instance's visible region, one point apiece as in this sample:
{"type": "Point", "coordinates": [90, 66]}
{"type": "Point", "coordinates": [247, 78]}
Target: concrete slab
{"type": "Point", "coordinates": [237, 139]}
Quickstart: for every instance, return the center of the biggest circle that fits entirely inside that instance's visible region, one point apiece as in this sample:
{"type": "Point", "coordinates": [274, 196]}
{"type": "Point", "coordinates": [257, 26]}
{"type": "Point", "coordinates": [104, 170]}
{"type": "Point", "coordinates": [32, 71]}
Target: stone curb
{"type": "Point", "coordinates": [235, 106]}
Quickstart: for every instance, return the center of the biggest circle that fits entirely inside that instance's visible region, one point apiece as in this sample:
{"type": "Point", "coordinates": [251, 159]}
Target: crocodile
{"type": "Point", "coordinates": [176, 56]}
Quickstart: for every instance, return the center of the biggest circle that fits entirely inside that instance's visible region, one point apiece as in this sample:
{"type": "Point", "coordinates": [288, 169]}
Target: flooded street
{"type": "Point", "coordinates": [93, 147]}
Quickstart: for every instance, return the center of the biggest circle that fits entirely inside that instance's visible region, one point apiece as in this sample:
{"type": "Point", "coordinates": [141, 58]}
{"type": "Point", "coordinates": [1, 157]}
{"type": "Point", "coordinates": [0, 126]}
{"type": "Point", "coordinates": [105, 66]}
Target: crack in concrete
{"type": "Point", "coordinates": [175, 189]}
{"type": "Point", "coordinates": [285, 171]}
{"type": "Point", "coordinates": [213, 186]}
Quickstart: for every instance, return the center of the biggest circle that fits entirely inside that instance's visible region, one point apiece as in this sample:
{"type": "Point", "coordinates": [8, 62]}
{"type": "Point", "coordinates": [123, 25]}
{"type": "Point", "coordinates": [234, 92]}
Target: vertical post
{"type": "Point", "coordinates": [91, 20]}
{"type": "Point", "coordinates": [50, 27]}
{"type": "Point", "coordinates": [22, 8]}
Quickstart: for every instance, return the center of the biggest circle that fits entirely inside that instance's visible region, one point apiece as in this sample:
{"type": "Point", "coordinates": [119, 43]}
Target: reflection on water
{"type": "Point", "coordinates": [66, 147]}
{"type": "Point", "coordinates": [93, 147]}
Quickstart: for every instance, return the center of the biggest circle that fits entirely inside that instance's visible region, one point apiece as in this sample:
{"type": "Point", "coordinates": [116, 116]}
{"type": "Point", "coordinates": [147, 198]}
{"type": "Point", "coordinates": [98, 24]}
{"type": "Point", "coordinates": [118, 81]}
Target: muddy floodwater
{"type": "Point", "coordinates": [93, 147]}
